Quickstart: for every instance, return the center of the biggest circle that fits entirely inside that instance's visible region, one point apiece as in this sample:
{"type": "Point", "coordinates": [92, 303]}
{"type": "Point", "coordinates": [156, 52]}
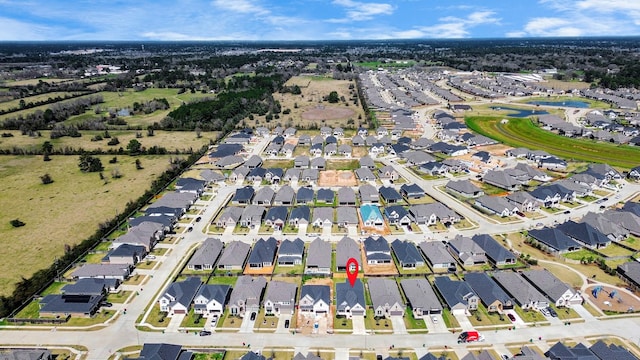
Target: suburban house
{"type": "Point", "coordinates": [280, 298]}
{"type": "Point", "coordinates": [367, 162]}
{"type": "Point", "coordinates": [557, 291]}
{"type": "Point", "coordinates": [163, 351]}
{"type": "Point", "coordinates": [397, 215]}
{"type": "Point", "coordinates": [230, 217]}
{"type": "Point", "coordinates": [190, 185]}
{"type": "Point", "coordinates": [495, 252]}
{"type": "Point", "coordinates": [243, 195]}
{"type": "Point", "coordinates": [630, 272]}
{"type": "Point", "coordinates": [429, 214]}
{"type": "Point", "coordinates": [142, 235]}
{"type": "Point", "coordinates": [92, 286]}
{"type": "Point", "coordinates": [464, 188]}
{"type": "Point", "coordinates": [322, 216]}
{"type": "Point", "coordinates": [346, 216]}
{"type": "Point", "coordinates": [102, 271]}
{"type": "Point", "coordinates": [64, 305]}
{"type": "Point", "coordinates": [254, 161]}
{"type": "Point", "coordinates": [611, 351]}
{"type": "Point", "coordinates": [318, 163]}
{"type": "Point", "coordinates": [179, 295]}
{"type": "Point", "coordinates": [550, 195]}
{"type": "Point", "coordinates": [467, 250]}
{"type": "Point", "coordinates": [364, 174]}
{"type": "Point", "coordinates": [492, 296]}
{"type": "Point", "coordinates": [304, 196]}
{"type": "Point", "coordinates": [369, 194]}
{"type": "Point", "coordinates": [246, 295]}
{"type": "Point", "coordinates": [524, 294]}
{"type": "Point", "coordinates": [315, 300]}
{"type": "Point", "coordinates": [325, 195]}
{"type": "Point", "coordinates": [276, 217]}
{"type": "Point", "coordinates": [300, 215]}
{"type": "Point", "coordinates": [388, 173]}
{"type": "Point", "coordinates": [211, 299]}
{"type": "Point", "coordinates": [284, 196]}
{"type": "Point", "coordinates": [437, 254]}
{"type": "Point", "coordinates": [234, 256]}
{"type": "Point", "coordinates": [523, 201]}
{"type": "Point", "coordinates": [377, 250]}
{"type": "Point", "coordinates": [206, 256]}
{"type": "Point", "coordinates": [125, 254]}
{"type": "Point", "coordinates": [350, 299]}
{"type": "Point", "coordinates": [371, 216]}
{"type": "Point", "coordinates": [421, 297]}
{"type": "Point", "coordinates": [347, 248]}
{"type": "Point", "coordinates": [385, 297]}
{"type": "Point", "coordinates": [407, 254]}
{"type": "Point", "coordinates": [263, 253]}
{"type": "Point", "coordinates": [458, 295]}
{"type": "Point", "coordinates": [346, 197]}
{"type": "Point", "coordinates": [252, 216]}
{"type": "Point", "coordinates": [290, 253]}
{"type": "Point", "coordinates": [584, 234]}
{"type": "Point", "coordinates": [26, 354]}
{"type": "Point", "coordinates": [495, 205]}
{"type": "Point", "coordinates": [502, 180]}
{"type": "Point", "coordinates": [292, 175]}
{"type": "Point", "coordinates": [554, 240]}
{"type": "Point", "coordinates": [264, 196]}
{"type": "Point", "coordinates": [239, 173]}
{"type": "Point", "coordinates": [412, 191]}
{"type": "Point", "coordinates": [318, 258]}
{"type": "Point", "coordinates": [301, 162]}
{"type": "Point", "coordinates": [167, 222]}
{"type": "Point", "coordinates": [390, 195]}
{"type": "Point", "coordinates": [304, 139]}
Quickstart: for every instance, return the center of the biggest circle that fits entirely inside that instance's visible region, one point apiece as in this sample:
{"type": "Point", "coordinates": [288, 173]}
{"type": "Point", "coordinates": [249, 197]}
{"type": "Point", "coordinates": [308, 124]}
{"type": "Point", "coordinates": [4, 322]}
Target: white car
{"type": "Point", "coordinates": [434, 319]}
{"type": "Point", "coordinates": [150, 257]}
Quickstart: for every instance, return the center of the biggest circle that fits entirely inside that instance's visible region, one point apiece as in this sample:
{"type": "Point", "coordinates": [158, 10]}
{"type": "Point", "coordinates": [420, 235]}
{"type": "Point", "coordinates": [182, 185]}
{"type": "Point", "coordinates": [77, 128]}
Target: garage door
{"type": "Point", "coordinates": [396, 313]}
{"type": "Point", "coordinates": [359, 312]}
{"type": "Point", "coordinates": [179, 312]}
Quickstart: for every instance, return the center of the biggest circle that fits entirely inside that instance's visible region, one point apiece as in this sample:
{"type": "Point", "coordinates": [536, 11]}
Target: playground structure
{"type": "Point", "coordinates": [623, 302]}
{"type": "Point", "coordinates": [612, 294]}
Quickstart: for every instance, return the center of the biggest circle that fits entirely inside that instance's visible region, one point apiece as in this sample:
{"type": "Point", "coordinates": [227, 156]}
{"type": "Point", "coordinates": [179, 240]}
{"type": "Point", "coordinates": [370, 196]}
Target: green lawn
{"type": "Point", "coordinates": [343, 164]}
{"type": "Point", "coordinates": [342, 323]}
{"type": "Point", "coordinates": [193, 320]}
{"type": "Point", "coordinates": [615, 250]}
{"type": "Point", "coordinates": [265, 322]}
{"type": "Point", "coordinates": [119, 298]}
{"type": "Point", "coordinates": [529, 316]}
{"type": "Point", "coordinates": [449, 319]}
{"type": "Point", "coordinates": [565, 313]}
{"type": "Point", "coordinates": [522, 132]}
{"type": "Point", "coordinates": [292, 270]}
{"type": "Point", "coordinates": [410, 322]}
{"type": "Point", "coordinates": [580, 254]}
{"type": "Point", "coordinates": [223, 280]}
{"type": "Point", "coordinates": [371, 323]}
{"type": "Point", "coordinates": [482, 317]}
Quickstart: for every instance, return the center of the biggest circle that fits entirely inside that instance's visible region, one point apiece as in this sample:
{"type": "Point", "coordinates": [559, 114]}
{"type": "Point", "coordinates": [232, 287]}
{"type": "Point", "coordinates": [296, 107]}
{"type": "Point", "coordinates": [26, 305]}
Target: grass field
{"type": "Point", "coordinates": [6, 105]}
{"type": "Point", "coordinates": [64, 212]}
{"type": "Point", "coordinates": [171, 140]}
{"type": "Point", "coordinates": [592, 103]}
{"type": "Point", "coordinates": [523, 133]}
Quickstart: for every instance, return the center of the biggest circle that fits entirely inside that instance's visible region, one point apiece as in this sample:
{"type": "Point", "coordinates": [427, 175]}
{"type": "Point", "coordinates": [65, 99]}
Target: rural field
{"type": "Point", "coordinates": [66, 211]}
{"type": "Point", "coordinates": [311, 109]}
{"type": "Point", "coordinates": [521, 132]}
{"type": "Point", "coordinates": [171, 140]}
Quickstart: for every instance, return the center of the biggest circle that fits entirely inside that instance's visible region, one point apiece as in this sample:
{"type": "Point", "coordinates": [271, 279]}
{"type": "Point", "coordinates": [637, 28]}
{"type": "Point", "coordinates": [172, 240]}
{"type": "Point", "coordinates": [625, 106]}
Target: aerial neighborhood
{"type": "Point", "coordinates": [475, 210]}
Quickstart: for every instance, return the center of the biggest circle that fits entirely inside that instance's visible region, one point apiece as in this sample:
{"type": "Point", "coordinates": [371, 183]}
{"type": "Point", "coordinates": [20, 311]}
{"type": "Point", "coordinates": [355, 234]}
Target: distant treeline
{"type": "Point", "coordinates": [253, 96]}
{"type": "Point", "coordinates": [27, 288]}
{"type": "Point", "coordinates": [58, 112]}
{"type": "Point", "coordinates": [31, 104]}
{"type": "Point", "coordinates": [69, 150]}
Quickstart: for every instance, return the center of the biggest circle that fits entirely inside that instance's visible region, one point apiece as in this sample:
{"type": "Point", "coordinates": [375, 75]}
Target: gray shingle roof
{"type": "Point", "coordinates": [520, 289]}
{"type": "Point", "coordinates": [184, 291]}
{"type": "Point", "coordinates": [264, 251]}
{"type": "Point", "coordinates": [347, 295]}
{"type": "Point", "coordinates": [345, 249]}
{"type": "Point", "coordinates": [234, 254]}
{"type": "Point", "coordinates": [384, 292]}
{"type": "Point", "coordinates": [406, 252]}
{"type": "Point", "coordinates": [280, 291]}
{"type": "Point", "coordinates": [547, 282]}
{"type": "Point", "coordinates": [493, 250]}
{"type": "Point", "coordinates": [488, 291]}
{"type": "Point", "coordinates": [554, 239]}
{"type": "Point", "coordinates": [207, 254]}
{"type": "Point", "coordinates": [420, 294]}
{"type": "Point", "coordinates": [319, 254]}
{"type": "Point", "coordinates": [453, 292]}
{"type": "Point", "coordinates": [436, 252]}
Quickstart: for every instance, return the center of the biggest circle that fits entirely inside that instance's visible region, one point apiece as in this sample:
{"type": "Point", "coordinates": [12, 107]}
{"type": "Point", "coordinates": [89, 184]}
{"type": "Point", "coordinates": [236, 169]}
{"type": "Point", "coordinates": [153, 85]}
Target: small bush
{"type": "Point", "coordinates": [16, 223]}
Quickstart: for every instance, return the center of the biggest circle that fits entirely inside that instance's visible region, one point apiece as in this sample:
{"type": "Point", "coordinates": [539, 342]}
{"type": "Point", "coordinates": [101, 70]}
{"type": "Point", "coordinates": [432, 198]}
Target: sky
{"type": "Point", "coordinates": [184, 20]}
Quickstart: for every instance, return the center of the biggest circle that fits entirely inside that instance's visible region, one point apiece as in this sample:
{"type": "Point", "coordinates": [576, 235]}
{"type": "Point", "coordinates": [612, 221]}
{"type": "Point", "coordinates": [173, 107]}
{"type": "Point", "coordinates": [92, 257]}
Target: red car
{"type": "Point", "coordinates": [511, 317]}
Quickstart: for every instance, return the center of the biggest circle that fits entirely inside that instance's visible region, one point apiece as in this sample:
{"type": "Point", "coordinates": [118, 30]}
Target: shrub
{"type": "Point", "coordinates": [16, 223]}
{"type": "Point", "coordinates": [46, 179]}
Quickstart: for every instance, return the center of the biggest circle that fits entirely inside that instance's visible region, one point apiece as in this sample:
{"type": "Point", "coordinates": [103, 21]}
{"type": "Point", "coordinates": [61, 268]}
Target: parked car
{"type": "Point", "coordinates": [552, 312]}
{"type": "Point", "coordinates": [205, 333]}
{"type": "Point", "coordinates": [214, 321]}
{"type": "Point", "coordinates": [286, 324]}
{"type": "Point", "coordinates": [190, 229]}
{"type": "Point", "coordinates": [253, 316]}
{"type": "Point", "coordinates": [198, 218]}
{"type": "Point", "coordinates": [107, 304]}
{"type": "Point", "coordinates": [511, 317]}
{"type": "Point", "coordinates": [567, 212]}
{"type": "Point", "coordinates": [434, 319]}
{"type": "Point", "coordinates": [150, 257]}
{"type": "Point", "coordinates": [545, 312]}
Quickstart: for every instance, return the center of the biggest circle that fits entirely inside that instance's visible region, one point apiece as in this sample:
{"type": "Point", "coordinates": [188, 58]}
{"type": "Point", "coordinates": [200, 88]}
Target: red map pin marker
{"type": "Point", "coordinates": [352, 275]}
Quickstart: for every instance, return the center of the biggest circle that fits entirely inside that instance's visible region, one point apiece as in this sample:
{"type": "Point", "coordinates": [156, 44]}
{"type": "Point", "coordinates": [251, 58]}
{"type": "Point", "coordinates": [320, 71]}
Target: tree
{"type": "Point", "coordinates": [46, 179]}
{"type": "Point", "coordinates": [333, 97]}
{"type": "Point", "coordinates": [114, 141]}
{"type": "Point", "coordinates": [116, 174]}
{"type": "Point", "coordinates": [134, 147]}
{"type": "Point", "coordinates": [46, 157]}
{"type": "Point", "coordinates": [47, 147]}
{"type": "Point", "coordinates": [88, 163]}
{"type": "Point", "coordinates": [138, 165]}
{"type": "Point", "coordinates": [16, 223]}
{"type": "Point", "coordinates": [150, 131]}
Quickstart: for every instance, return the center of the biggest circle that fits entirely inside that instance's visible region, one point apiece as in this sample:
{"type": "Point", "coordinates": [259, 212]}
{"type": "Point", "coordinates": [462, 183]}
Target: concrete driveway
{"type": "Point", "coordinates": [398, 325]}
{"type": "Point", "coordinates": [519, 321]}
{"type": "Point", "coordinates": [280, 329]}
{"type": "Point", "coordinates": [584, 313]}
{"type": "Point", "coordinates": [175, 322]}
{"type": "Point", "coordinates": [464, 322]}
{"type": "Point", "coordinates": [358, 325]}
{"type": "Point", "coordinates": [437, 326]}
{"type": "Point", "coordinates": [247, 324]}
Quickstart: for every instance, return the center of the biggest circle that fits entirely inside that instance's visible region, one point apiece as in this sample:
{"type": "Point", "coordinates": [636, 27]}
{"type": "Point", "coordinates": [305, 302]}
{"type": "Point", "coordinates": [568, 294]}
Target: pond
{"type": "Point", "coordinates": [570, 103]}
{"type": "Point", "coordinates": [513, 112]}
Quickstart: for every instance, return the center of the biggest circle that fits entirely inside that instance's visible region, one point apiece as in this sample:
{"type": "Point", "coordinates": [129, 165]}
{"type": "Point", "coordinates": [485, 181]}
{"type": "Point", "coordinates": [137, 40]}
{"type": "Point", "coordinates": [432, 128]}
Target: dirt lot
{"type": "Point", "coordinates": [322, 112]}
{"type": "Point", "coordinates": [621, 302]}
{"type": "Point", "coordinates": [337, 178]}
{"type": "Point", "coordinates": [306, 322]}
{"type": "Point", "coordinates": [267, 270]}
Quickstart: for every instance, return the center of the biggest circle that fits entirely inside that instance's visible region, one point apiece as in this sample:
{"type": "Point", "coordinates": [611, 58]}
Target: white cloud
{"type": "Point", "coordinates": [241, 6]}
{"type": "Point", "coordinates": [456, 27]}
{"type": "Point", "coordinates": [11, 29]}
{"type": "Point", "coordinates": [359, 11]}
